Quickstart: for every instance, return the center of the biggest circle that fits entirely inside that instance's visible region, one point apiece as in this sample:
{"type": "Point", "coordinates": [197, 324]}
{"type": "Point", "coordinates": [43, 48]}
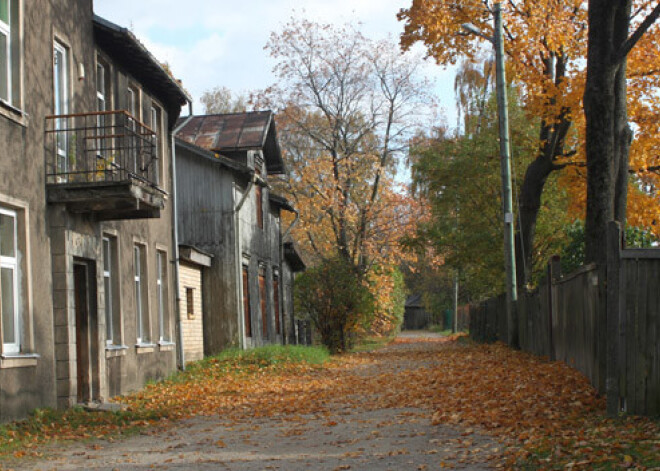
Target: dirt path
{"type": "Point", "coordinates": [363, 431]}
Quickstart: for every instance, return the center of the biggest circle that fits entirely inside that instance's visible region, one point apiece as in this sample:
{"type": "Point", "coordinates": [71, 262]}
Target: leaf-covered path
{"type": "Point", "coordinates": [420, 403]}
{"type": "Point", "coordinates": [362, 414]}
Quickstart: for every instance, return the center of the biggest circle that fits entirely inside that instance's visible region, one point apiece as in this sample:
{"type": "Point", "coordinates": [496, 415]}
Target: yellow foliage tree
{"type": "Point", "coordinates": [545, 42]}
{"type": "Point", "coordinates": [346, 106]}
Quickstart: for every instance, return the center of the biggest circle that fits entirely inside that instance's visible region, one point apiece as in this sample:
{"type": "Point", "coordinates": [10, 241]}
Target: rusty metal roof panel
{"type": "Point", "coordinates": [235, 132]}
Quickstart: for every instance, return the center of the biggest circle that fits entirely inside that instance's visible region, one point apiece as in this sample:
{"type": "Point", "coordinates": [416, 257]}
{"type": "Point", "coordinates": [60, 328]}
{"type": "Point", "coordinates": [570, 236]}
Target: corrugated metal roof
{"type": "Point", "coordinates": [234, 132]}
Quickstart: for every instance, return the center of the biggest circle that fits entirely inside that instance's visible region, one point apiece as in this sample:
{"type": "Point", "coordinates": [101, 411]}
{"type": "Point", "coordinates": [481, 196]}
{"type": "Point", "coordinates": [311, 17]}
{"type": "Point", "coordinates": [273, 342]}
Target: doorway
{"type": "Point", "coordinates": [83, 331]}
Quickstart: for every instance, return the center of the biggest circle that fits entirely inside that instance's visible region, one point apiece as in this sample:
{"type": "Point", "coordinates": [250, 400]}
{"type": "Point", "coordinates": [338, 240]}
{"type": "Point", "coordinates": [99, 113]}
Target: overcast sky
{"type": "Point", "coordinates": [220, 42]}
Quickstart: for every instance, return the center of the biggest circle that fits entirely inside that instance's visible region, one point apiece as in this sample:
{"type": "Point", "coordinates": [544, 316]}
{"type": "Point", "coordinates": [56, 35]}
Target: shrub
{"type": "Point", "coordinates": [336, 301]}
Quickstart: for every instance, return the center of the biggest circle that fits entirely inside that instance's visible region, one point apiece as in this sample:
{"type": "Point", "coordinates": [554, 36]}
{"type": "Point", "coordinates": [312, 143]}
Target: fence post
{"type": "Point", "coordinates": [613, 294]}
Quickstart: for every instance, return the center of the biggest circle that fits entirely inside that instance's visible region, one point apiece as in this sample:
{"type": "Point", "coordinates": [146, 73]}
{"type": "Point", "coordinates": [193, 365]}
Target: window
{"type": "Point", "coordinates": [247, 313]}
{"type": "Point", "coordinates": [5, 50]}
{"type": "Point", "coordinates": [10, 52]}
{"type": "Point", "coordinates": [262, 296]}
{"type": "Point", "coordinates": [260, 210]}
{"type": "Point", "coordinates": [100, 87]}
{"type": "Point", "coordinates": [133, 104]}
{"type": "Point", "coordinates": [11, 340]}
{"type": "Point", "coordinates": [276, 302]}
{"type": "Point", "coordinates": [61, 99]}
{"type": "Point", "coordinates": [156, 127]}
{"type": "Point", "coordinates": [141, 307]}
{"type": "Point", "coordinates": [190, 302]}
{"type": "Point", "coordinates": [163, 297]}
{"type": "Point", "coordinates": [111, 290]}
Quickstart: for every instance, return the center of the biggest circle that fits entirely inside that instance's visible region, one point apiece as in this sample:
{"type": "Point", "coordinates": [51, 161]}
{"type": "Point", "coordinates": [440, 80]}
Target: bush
{"type": "Point", "coordinates": [336, 301]}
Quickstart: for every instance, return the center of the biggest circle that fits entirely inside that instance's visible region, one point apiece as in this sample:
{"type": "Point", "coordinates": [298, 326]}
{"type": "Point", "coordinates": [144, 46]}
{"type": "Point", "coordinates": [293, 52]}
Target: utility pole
{"type": "Point", "coordinates": [505, 167]}
{"type": "Point", "coordinates": [505, 163]}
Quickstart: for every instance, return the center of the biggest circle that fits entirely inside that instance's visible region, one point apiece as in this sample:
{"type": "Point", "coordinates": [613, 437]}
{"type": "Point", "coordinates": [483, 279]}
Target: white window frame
{"type": "Point", "coordinates": [141, 309]}
{"type": "Point", "coordinates": [108, 281]}
{"type": "Point", "coordinates": [156, 114]}
{"type": "Point", "coordinates": [5, 30]}
{"type": "Point", "coordinates": [161, 292]}
{"type": "Point", "coordinates": [61, 103]}
{"type": "Point", "coordinates": [100, 87]}
{"type": "Point", "coordinates": [12, 263]}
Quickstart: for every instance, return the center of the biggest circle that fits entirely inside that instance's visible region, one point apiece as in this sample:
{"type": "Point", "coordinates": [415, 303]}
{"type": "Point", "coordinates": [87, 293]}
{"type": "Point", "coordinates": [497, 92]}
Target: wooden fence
{"type": "Point", "coordinates": [610, 331]}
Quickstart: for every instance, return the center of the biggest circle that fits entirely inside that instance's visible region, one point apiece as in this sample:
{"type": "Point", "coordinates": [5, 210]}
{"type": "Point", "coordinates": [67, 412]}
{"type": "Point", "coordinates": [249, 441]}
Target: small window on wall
{"type": "Point", "coordinates": [11, 325]}
{"type": "Point", "coordinates": [111, 289]}
{"type": "Point", "coordinates": [61, 102]}
{"type": "Point", "coordinates": [156, 118]}
{"type": "Point", "coordinates": [9, 52]}
{"type": "Point", "coordinates": [141, 305]}
{"type": "Point", "coordinates": [163, 296]}
{"type": "Point", "coordinates": [190, 303]}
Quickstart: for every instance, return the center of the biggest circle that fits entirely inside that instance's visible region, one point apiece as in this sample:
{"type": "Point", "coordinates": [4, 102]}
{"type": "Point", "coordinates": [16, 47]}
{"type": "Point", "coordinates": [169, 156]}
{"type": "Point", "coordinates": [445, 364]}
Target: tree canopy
{"type": "Point", "coordinates": [545, 42]}
{"type": "Point", "coordinates": [346, 106]}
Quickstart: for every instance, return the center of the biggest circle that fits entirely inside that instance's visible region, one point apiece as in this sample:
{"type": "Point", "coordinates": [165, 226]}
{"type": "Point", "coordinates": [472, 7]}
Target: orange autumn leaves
{"type": "Point", "coordinates": [346, 108]}
{"type": "Point", "coordinates": [545, 413]}
{"type": "Point", "coordinates": [538, 36]}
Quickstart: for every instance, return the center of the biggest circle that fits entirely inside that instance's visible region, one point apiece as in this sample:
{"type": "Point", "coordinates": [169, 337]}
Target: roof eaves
{"type": "Point", "coordinates": [214, 157]}
{"type": "Point", "coordinates": [102, 22]}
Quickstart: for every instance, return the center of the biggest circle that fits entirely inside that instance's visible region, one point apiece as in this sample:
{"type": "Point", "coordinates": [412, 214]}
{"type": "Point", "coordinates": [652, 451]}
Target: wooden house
{"type": "Point", "coordinates": [227, 209]}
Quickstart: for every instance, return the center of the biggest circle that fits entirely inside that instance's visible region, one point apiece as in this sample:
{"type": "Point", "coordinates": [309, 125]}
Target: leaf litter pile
{"type": "Point", "coordinates": [545, 414]}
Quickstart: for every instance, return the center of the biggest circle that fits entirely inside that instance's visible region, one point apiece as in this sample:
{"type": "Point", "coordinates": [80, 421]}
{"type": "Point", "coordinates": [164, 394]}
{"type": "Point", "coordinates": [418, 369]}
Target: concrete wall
{"type": "Point", "coordinates": [125, 364]}
{"type": "Point", "coordinates": [52, 239]}
{"type": "Point", "coordinates": [190, 276]}
{"type": "Point", "coordinates": [29, 383]}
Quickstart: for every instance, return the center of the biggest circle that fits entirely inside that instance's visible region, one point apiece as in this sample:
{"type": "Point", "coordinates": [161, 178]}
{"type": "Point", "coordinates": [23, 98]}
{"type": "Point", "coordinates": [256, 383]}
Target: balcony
{"type": "Point", "coordinates": [105, 164]}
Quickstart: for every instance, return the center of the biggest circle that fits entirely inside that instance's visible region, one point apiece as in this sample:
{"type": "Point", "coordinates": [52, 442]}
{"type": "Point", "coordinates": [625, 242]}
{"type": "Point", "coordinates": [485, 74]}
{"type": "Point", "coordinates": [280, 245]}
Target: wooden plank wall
{"type": "Point", "coordinates": [574, 323]}
{"type": "Point", "coordinates": [639, 349]}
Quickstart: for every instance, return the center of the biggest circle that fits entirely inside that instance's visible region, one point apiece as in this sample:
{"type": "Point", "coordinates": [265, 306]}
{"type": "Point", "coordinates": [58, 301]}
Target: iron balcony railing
{"type": "Point", "coordinates": [103, 146]}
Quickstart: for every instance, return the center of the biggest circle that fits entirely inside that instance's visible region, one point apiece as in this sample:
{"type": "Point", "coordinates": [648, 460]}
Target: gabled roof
{"type": "Point", "coordinates": [235, 132]}
{"type": "Point", "coordinates": [124, 47]}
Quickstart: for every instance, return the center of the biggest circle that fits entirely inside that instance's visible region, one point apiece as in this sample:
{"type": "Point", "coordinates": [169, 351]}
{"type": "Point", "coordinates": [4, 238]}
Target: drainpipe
{"type": "Point", "coordinates": [237, 253]}
{"type": "Point", "coordinates": [181, 361]}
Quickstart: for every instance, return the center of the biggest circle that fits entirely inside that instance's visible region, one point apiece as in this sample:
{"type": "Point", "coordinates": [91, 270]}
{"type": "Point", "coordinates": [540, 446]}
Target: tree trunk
{"type": "Point", "coordinates": [623, 134]}
{"type": "Point", "coordinates": [599, 105]}
{"type": "Point", "coordinates": [530, 203]}
{"type": "Point", "coordinates": [607, 140]}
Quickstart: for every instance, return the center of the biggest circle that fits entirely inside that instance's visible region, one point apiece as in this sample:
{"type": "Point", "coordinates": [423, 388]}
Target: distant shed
{"type": "Point", "coordinates": [415, 316]}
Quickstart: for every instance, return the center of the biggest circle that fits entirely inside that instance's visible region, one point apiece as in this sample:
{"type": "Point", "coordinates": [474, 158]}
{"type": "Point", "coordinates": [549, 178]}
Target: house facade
{"type": "Point", "coordinates": [226, 208]}
{"type": "Point", "coordinates": [86, 241]}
